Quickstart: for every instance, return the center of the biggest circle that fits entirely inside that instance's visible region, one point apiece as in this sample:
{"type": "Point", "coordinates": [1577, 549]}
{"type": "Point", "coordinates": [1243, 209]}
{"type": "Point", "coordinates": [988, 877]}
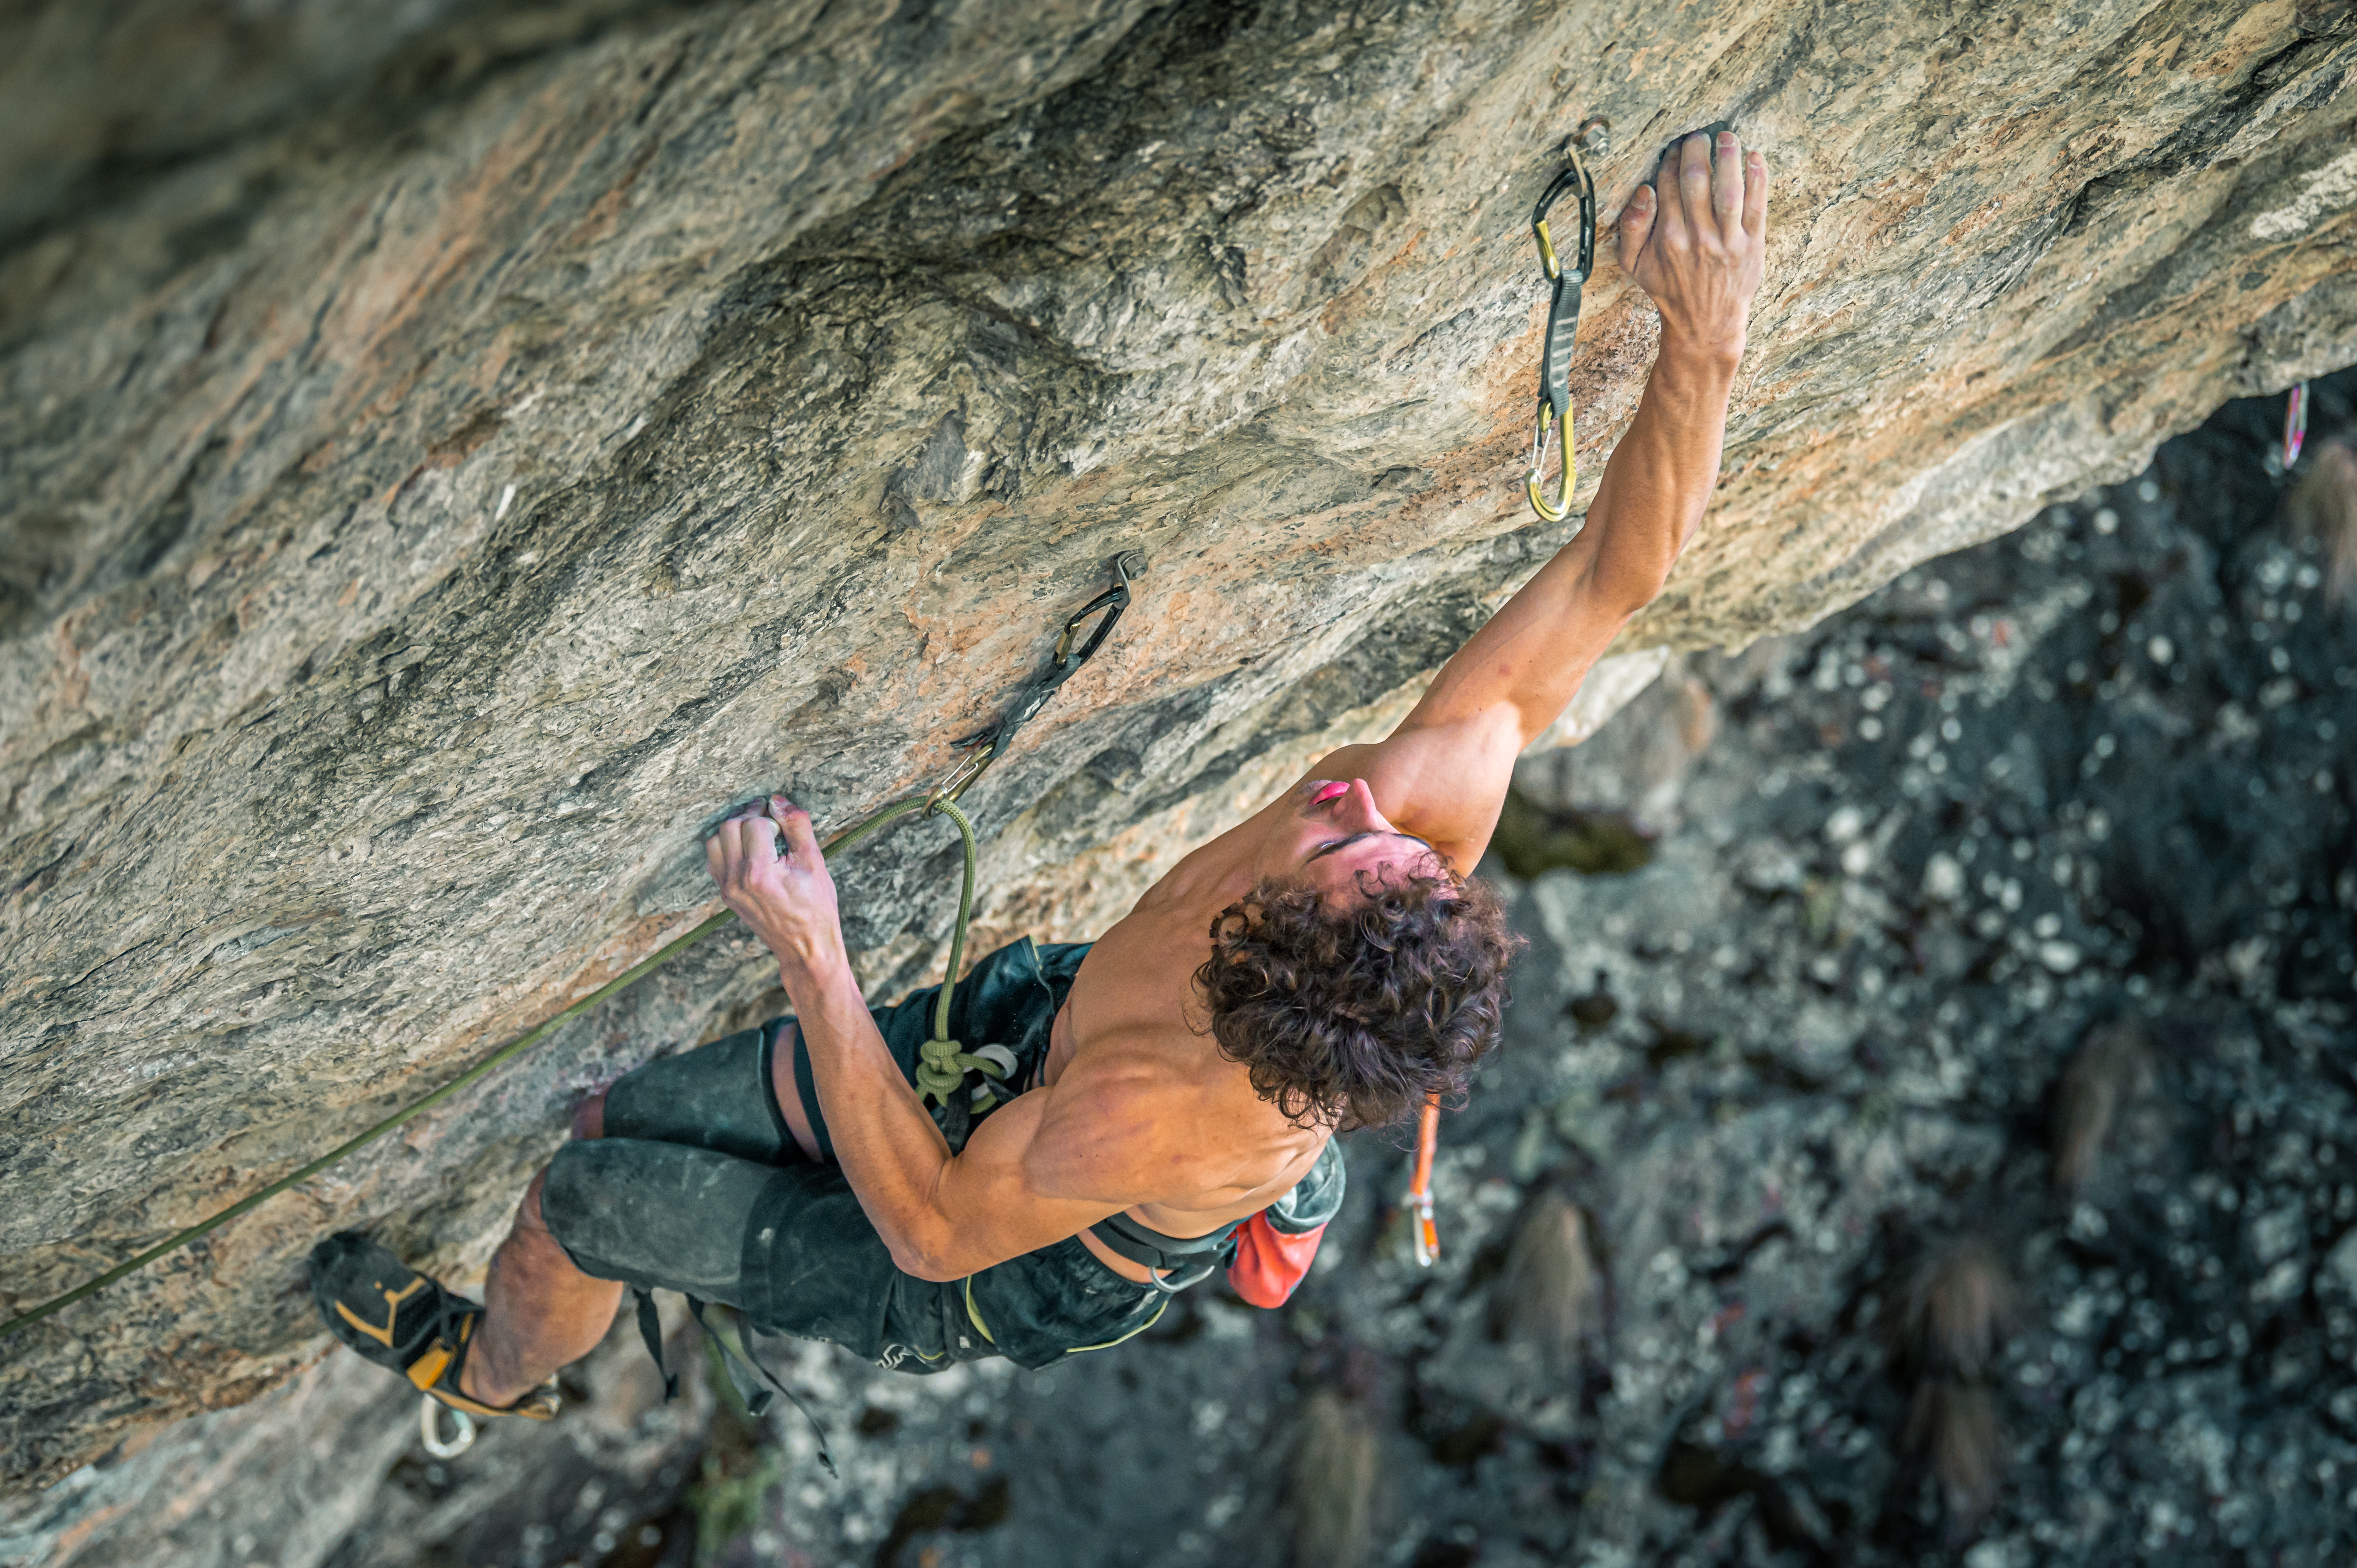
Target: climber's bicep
{"type": "Point", "coordinates": [1443, 773]}
{"type": "Point", "coordinates": [993, 1201]}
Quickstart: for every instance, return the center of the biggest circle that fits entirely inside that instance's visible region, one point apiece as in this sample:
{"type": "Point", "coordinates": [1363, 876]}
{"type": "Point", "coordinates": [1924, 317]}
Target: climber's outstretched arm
{"type": "Point", "coordinates": [1697, 247]}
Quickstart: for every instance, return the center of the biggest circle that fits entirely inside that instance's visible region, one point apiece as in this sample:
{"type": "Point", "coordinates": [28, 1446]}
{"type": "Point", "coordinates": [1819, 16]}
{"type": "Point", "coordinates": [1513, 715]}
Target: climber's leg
{"type": "Point", "coordinates": [540, 1312]}
{"type": "Point", "coordinates": [786, 1061]}
{"type": "Point", "coordinates": [406, 1322]}
{"type": "Point", "coordinates": [716, 1097]}
{"type": "Point", "coordinates": [698, 1185]}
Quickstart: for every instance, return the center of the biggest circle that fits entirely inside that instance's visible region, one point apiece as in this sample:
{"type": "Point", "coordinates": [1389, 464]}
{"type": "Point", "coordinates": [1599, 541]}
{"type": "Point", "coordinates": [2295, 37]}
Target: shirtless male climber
{"type": "Point", "coordinates": [1174, 1088]}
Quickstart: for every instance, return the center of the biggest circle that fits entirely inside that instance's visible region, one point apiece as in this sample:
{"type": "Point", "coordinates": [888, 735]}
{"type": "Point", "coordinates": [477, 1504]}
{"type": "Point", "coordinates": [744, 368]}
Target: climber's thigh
{"type": "Point", "coordinates": [714, 1097]}
{"type": "Point", "coordinates": [789, 1245]}
{"type": "Point", "coordinates": [656, 1215]}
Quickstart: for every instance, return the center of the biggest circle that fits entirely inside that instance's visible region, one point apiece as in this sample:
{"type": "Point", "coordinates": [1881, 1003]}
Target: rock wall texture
{"type": "Point", "coordinates": [451, 457]}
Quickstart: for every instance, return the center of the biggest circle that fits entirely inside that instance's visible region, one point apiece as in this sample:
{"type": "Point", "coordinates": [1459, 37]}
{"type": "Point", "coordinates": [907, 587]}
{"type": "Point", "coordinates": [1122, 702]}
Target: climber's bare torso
{"type": "Point", "coordinates": [1128, 1060]}
{"type": "Point", "coordinates": [1134, 1017]}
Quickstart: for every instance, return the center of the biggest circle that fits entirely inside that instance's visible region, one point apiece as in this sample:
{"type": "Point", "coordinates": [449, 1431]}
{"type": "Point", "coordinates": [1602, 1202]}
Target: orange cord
{"type": "Point", "coordinates": [1419, 1192]}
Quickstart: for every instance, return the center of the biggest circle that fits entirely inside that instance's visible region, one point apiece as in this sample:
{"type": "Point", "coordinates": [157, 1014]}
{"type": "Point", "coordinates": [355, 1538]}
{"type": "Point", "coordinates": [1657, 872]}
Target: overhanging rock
{"type": "Point", "coordinates": [439, 487]}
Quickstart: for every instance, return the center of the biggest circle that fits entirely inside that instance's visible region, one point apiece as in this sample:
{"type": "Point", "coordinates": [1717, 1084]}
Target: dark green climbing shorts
{"type": "Point", "coordinates": [698, 1187]}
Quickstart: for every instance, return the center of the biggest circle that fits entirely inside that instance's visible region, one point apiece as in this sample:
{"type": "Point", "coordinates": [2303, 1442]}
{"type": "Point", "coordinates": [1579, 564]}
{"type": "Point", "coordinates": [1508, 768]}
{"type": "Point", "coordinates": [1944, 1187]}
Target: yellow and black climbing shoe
{"type": "Point", "coordinates": [404, 1321]}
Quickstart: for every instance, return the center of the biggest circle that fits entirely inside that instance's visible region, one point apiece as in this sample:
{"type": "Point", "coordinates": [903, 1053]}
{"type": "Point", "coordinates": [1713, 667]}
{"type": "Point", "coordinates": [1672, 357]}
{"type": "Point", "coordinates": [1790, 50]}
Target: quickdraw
{"type": "Point", "coordinates": [944, 1066]}
{"type": "Point", "coordinates": [1554, 417]}
{"type": "Point", "coordinates": [2294, 423]}
{"type": "Point", "coordinates": [987, 746]}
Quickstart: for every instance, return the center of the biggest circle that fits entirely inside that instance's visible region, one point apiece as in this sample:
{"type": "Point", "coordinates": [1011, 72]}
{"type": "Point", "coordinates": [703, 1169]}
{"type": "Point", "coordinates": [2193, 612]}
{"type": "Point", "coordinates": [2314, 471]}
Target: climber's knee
{"type": "Point", "coordinates": [529, 1222]}
{"type": "Point", "coordinates": [652, 1215]}
{"type": "Point", "coordinates": [589, 1118]}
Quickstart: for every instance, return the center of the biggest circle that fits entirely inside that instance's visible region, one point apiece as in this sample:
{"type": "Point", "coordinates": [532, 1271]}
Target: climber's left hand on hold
{"type": "Point", "coordinates": [1696, 241]}
{"type": "Point", "coordinates": [788, 898]}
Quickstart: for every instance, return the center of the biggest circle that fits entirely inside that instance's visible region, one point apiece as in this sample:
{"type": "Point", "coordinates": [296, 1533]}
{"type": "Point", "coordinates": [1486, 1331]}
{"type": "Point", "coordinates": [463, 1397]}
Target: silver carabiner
{"type": "Point", "coordinates": [971, 767]}
{"type": "Point", "coordinates": [1566, 477]}
{"type": "Point", "coordinates": [429, 1427]}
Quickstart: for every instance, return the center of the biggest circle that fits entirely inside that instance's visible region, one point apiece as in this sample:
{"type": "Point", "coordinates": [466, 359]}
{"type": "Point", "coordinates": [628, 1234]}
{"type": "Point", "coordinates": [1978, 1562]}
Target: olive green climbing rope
{"type": "Point", "coordinates": [941, 1062]}
{"type": "Point", "coordinates": [945, 1060]}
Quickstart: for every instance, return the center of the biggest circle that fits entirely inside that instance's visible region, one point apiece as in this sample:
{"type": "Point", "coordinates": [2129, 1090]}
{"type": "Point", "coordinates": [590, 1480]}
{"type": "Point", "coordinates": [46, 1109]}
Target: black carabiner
{"type": "Point", "coordinates": [1553, 416]}
{"type": "Point", "coordinates": [986, 746]}
{"type": "Point", "coordinates": [1113, 600]}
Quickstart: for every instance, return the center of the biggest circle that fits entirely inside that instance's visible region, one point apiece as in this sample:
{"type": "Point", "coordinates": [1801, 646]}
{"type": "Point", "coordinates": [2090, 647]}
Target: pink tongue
{"type": "Point", "coordinates": [1330, 793]}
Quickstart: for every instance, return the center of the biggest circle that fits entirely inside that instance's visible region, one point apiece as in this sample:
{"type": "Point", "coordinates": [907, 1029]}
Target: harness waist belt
{"type": "Point", "coordinates": [1141, 1244]}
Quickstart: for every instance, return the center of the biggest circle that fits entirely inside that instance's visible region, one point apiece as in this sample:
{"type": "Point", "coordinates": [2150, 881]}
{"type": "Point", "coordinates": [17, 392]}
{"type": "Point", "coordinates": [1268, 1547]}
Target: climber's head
{"type": "Point", "coordinates": [1335, 833]}
{"type": "Point", "coordinates": [1368, 979]}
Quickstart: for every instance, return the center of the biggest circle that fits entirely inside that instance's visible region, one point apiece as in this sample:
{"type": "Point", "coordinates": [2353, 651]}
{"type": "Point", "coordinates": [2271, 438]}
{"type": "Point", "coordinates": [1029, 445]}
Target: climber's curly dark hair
{"type": "Point", "coordinates": [1350, 1014]}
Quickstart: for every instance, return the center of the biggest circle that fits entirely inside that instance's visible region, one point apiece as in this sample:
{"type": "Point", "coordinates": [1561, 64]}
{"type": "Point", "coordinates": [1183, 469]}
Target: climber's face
{"type": "Point", "coordinates": [1340, 833]}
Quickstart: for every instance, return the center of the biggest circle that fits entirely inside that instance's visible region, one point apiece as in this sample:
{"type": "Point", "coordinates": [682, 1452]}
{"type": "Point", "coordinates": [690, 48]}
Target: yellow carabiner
{"type": "Point", "coordinates": [1566, 480]}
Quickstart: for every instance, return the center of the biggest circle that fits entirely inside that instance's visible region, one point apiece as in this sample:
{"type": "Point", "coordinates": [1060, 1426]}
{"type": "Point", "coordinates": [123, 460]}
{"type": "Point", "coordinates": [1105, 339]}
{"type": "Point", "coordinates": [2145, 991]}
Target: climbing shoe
{"type": "Point", "coordinates": [404, 1321]}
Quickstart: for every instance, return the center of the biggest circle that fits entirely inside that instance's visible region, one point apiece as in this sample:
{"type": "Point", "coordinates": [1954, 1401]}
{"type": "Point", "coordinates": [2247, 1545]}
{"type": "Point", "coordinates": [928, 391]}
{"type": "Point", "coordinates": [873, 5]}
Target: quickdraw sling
{"type": "Point", "coordinates": [1553, 419]}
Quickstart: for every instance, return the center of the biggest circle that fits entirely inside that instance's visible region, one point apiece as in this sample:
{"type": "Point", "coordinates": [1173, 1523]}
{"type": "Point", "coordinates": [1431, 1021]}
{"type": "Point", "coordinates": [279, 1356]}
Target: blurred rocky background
{"type": "Point", "coordinates": [455, 452]}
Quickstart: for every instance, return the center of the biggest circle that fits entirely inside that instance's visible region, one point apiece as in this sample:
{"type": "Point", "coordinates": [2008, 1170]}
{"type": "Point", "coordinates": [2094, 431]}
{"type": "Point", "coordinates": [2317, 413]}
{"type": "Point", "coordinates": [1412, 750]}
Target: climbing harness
{"type": "Point", "coordinates": [1553, 416]}
{"type": "Point", "coordinates": [1419, 1201]}
{"type": "Point", "coordinates": [2294, 423]}
{"type": "Point", "coordinates": [984, 749]}
{"type": "Point", "coordinates": [1172, 1263]}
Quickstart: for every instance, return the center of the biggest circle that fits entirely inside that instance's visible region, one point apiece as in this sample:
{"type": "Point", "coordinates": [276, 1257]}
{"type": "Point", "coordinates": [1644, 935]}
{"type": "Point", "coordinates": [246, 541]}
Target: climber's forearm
{"type": "Point", "coordinates": [1661, 475]}
{"type": "Point", "coordinates": [1518, 671]}
{"type": "Point", "coordinates": [888, 1148]}
{"type": "Point", "coordinates": [944, 1217]}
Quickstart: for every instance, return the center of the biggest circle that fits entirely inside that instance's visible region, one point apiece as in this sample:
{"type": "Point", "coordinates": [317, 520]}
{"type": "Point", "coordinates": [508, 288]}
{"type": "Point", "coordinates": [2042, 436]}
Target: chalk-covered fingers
{"type": "Point", "coordinates": [769, 870]}
{"type": "Point", "coordinates": [741, 850]}
{"type": "Point", "coordinates": [1637, 225]}
{"type": "Point", "coordinates": [1702, 260]}
{"type": "Point", "coordinates": [800, 837]}
{"type": "Point", "coordinates": [1695, 179]}
{"type": "Point", "coordinates": [1727, 190]}
{"type": "Point", "coordinates": [738, 848]}
{"type": "Point", "coordinates": [716, 847]}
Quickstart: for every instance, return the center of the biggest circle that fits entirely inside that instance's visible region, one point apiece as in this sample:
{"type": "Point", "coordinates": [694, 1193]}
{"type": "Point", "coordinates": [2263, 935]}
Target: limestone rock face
{"type": "Point", "coordinates": [453, 453]}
